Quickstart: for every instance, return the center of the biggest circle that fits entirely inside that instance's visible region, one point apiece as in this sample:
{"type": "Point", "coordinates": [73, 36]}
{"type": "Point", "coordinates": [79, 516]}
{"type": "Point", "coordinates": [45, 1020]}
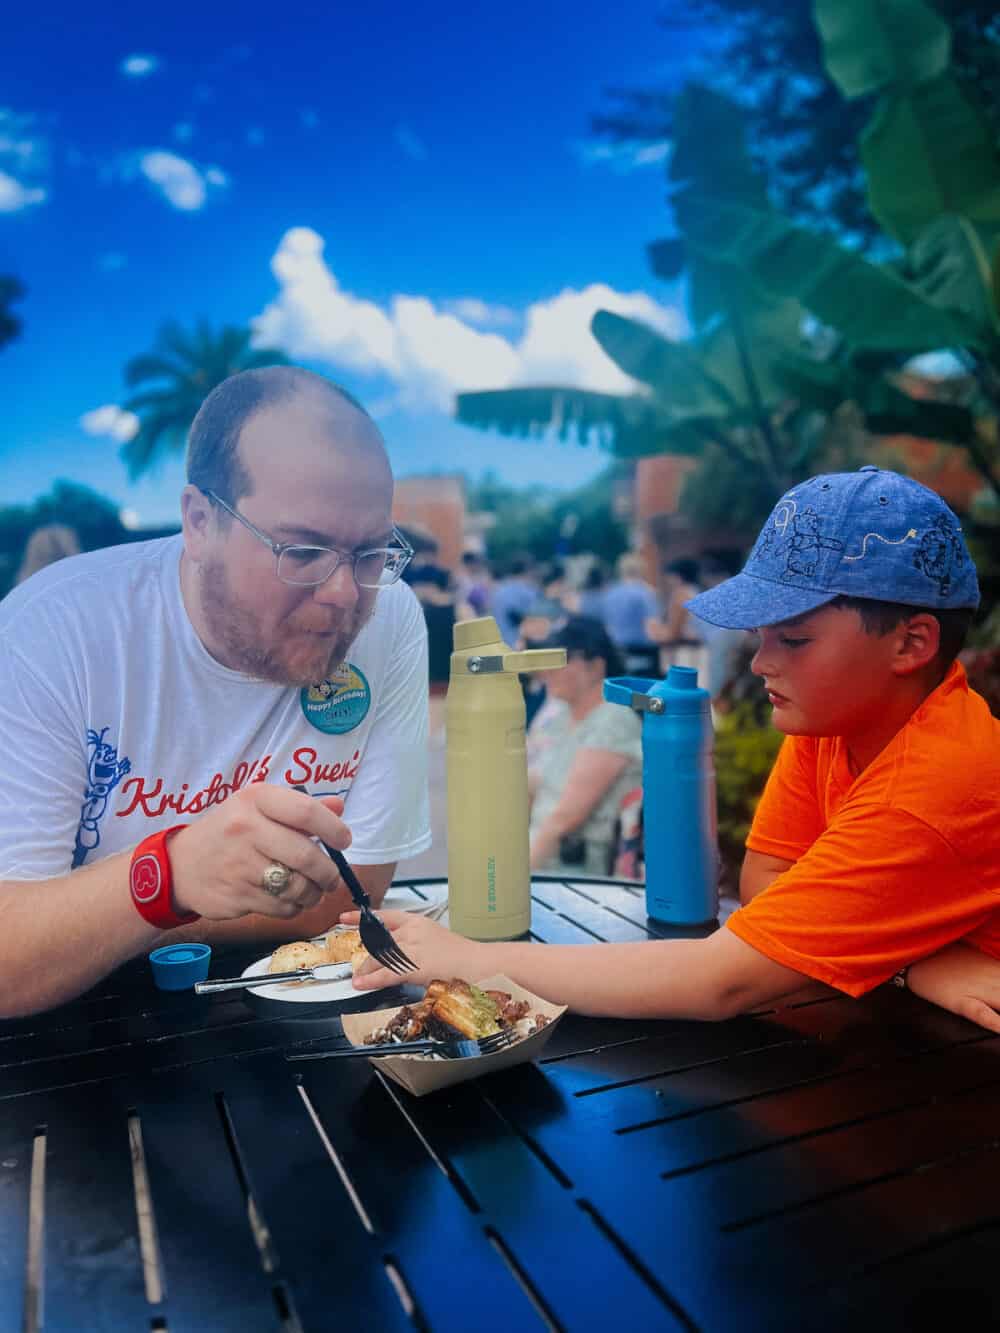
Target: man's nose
{"type": "Point", "coordinates": [340, 588]}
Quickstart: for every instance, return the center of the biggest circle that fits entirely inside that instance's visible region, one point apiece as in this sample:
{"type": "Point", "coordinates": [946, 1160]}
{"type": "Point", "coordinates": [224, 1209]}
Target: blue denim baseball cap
{"type": "Point", "coordinates": [869, 533]}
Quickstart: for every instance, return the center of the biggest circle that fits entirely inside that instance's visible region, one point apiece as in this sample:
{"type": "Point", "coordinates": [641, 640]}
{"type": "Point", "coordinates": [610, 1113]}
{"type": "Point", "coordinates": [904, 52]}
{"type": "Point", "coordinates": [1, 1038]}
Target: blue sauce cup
{"type": "Point", "coordinates": [179, 966]}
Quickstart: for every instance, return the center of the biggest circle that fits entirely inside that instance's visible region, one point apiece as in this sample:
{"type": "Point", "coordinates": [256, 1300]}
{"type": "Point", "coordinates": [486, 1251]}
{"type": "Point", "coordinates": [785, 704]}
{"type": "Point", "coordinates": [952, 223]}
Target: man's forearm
{"type": "Point", "coordinates": [58, 937]}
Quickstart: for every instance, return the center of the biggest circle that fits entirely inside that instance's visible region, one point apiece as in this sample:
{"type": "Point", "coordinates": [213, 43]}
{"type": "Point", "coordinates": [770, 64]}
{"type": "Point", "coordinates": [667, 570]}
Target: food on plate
{"type": "Point", "coordinates": [292, 957]}
{"type": "Point", "coordinates": [344, 946]}
{"type": "Point", "coordinates": [457, 1008]}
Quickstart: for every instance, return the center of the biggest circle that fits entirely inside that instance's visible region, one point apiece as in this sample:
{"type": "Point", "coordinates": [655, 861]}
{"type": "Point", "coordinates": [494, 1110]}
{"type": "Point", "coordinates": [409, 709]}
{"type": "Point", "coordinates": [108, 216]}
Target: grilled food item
{"type": "Point", "coordinates": [464, 1008]}
{"type": "Point", "coordinates": [451, 1008]}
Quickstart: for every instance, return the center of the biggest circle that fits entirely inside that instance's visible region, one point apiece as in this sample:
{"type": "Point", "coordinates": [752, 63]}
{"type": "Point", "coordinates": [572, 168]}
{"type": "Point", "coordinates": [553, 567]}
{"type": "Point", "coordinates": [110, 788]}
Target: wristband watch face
{"type": "Point", "coordinates": [147, 878]}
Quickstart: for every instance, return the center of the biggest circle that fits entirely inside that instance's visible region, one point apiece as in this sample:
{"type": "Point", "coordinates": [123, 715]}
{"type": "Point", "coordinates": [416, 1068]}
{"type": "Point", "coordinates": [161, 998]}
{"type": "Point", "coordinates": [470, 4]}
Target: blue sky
{"type": "Point", "coordinates": [406, 197]}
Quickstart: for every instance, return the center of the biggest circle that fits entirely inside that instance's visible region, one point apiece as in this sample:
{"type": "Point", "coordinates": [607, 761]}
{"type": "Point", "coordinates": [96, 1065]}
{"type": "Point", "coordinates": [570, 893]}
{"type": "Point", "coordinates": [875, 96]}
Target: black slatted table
{"type": "Point", "coordinates": [828, 1166]}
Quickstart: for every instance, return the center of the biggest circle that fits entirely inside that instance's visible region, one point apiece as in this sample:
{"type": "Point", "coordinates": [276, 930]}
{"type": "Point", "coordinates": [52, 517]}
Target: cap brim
{"type": "Point", "coordinates": [746, 602]}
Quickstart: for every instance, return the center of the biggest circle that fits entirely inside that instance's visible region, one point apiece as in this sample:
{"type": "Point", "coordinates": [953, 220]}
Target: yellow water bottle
{"type": "Point", "coordinates": [489, 878]}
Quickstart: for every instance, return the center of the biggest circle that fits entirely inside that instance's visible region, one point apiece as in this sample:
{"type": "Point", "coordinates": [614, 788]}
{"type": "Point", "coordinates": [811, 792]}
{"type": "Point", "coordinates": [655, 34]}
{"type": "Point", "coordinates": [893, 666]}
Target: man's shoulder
{"type": "Point", "coordinates": [73, 582]}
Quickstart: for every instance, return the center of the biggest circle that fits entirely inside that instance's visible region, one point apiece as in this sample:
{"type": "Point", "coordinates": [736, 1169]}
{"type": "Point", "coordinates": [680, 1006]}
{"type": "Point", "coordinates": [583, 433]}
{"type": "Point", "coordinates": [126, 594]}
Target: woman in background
{"type": "Point", "coordinates": [45, 546]}
{"type": "Point", "coordinates": [584, 756]}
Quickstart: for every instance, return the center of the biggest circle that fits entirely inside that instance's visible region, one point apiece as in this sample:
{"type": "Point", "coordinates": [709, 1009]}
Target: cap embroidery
{"type": "Point", "coordinates": [804, 542]}
{"type": "Point", "coordinates": [877, 537]}
{"type": "Point", "coordinates": [939, 552]}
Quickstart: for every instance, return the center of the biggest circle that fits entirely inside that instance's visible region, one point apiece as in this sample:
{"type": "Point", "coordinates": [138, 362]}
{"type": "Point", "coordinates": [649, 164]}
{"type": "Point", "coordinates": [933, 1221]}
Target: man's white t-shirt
{"type": "Point", "coordinates": [118, 723]}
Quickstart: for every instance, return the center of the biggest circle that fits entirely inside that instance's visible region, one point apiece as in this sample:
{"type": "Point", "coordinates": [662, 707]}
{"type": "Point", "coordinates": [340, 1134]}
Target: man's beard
{"type": "Point", "coordinates": [292, 658]}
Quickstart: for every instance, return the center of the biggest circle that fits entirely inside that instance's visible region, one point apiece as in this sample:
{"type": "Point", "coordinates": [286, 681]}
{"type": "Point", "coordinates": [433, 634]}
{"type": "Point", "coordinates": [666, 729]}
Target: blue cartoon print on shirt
{"type": "Point", "coordinates": [104, 772]}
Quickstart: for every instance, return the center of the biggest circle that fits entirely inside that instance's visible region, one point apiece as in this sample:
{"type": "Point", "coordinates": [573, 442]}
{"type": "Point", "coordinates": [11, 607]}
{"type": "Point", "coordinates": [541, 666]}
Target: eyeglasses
{"type": "Point", "coordinates": [309, 566]}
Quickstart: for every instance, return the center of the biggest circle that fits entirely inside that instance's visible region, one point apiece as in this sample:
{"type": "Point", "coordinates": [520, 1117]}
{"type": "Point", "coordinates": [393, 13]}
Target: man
{"type": "Point", "coordinates": [160, 700]}
{"type": "Point", "coordinates": [875, 850]}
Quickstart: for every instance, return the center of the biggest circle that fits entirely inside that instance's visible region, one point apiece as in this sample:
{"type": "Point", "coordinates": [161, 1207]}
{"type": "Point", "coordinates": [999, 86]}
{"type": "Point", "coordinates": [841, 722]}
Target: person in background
{"type": "Point", "coordinates": [677, 633]}
{"type": "Point", "coordinates": [46, 545]}
{"type": "Point", "coordinates": [584, 755]}
{"type": "Point", "coordinates": [474, 587]}
{"type": "Point", "coordinates": [590, 598]}
{"type": "Point", "coordinates": [512, 596]}
{"type": "Point", "coordinates": [628, 606]}
{"type": "Point", "coordinates": [725, 648]}
{"type": "Point", "coordinates": [435, 590]}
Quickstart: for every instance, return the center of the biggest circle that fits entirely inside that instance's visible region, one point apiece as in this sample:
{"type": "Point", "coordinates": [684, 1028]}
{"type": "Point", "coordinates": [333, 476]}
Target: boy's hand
{"type": "Point", "coordinates": [963, 980]}
{"type": "Point", "coordinates": [438, 953]}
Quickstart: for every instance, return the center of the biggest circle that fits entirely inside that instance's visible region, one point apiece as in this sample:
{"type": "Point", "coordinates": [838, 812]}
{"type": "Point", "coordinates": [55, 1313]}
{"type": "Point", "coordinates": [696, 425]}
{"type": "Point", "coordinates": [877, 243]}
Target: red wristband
{"type": "Point", "coordinates": [150, 881]}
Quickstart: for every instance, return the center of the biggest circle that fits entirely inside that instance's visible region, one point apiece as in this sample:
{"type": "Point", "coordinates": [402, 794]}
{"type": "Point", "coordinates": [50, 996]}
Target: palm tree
{"type": "Point", "coordinates": [187, 367]}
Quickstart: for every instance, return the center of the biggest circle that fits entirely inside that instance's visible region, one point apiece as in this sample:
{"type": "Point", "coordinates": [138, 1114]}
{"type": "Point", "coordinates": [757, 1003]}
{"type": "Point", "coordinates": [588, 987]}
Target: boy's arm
{"type": "Point", "coordinates": [714, 978]}
{"type": "Point", "coordinates": [757, 872]}
{"type": "Point", "coordinates": [962, 979]}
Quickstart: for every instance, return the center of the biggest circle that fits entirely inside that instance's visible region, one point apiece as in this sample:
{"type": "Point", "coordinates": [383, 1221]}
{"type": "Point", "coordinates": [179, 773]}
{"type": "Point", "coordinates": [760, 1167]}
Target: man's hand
{"type": "Point", "coordinates": [218, 862]}
{"type": "Point", "coordinates": [438, 953]}
{"type": "Point", "coordinates": [961, 979]}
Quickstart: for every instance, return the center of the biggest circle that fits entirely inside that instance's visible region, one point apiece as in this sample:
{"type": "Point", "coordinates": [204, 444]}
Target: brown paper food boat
{"type": "Point", "coordinates": [421, 1076]}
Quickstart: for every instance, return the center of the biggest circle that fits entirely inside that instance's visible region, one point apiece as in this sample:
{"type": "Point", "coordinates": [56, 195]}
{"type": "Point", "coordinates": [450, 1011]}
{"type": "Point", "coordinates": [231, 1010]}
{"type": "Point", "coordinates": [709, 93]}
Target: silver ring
{"type": "Point", "coordinates": [275, 879]}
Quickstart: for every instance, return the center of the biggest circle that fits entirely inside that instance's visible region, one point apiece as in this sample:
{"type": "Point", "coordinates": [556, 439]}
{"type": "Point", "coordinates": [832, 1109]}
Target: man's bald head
{"type": "Point", "coordinates": [213, 455]}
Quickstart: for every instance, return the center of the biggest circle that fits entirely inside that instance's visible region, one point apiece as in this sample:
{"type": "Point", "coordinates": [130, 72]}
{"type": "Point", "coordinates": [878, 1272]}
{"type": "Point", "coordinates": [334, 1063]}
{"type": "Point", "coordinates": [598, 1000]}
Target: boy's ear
{"type": "Point", "coordinates": [919, 639]}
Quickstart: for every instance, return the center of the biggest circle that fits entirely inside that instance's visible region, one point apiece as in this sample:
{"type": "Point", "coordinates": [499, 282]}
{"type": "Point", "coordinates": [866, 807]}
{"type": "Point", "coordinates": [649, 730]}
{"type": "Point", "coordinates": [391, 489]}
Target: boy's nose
{"type": "Point", "coordinates": [759, 664]}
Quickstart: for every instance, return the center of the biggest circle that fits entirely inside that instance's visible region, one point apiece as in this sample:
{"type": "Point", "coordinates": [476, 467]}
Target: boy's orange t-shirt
{"type": "Point", "coordinates": [892, 865]}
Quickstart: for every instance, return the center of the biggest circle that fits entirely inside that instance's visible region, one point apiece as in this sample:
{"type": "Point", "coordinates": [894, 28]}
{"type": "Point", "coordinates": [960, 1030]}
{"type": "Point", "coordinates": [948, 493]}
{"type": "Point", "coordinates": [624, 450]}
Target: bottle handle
{"type": "Point", "coordinates": [632, 692]}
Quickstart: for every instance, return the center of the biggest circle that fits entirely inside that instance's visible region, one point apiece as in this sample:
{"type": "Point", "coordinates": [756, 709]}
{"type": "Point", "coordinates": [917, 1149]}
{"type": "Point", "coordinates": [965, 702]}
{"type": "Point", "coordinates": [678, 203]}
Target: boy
{"type": "Point", "coordinates": [877, 840]}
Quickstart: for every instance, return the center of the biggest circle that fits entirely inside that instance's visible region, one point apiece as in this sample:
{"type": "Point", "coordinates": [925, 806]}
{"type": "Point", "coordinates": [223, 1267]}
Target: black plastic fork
{"type": "Point", "coordinates": [459, 1048]}
{"type": "Point", "coordinates": [375, 935]}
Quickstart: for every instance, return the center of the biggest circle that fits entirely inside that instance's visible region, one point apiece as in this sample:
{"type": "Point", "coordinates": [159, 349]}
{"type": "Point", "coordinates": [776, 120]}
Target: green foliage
{"type": "Point", "coordinates": [11, 290]}
{"type": "Point", "coordinates": [745, 751]}
{"type": "Point", "coordinates": [185, 366]}
{"type": "Point", "coordinates": [529, 519]}
{"type": "Point", "coordinates": [868, 43]}
{"type": "Point", "coordinates": [802, 135]}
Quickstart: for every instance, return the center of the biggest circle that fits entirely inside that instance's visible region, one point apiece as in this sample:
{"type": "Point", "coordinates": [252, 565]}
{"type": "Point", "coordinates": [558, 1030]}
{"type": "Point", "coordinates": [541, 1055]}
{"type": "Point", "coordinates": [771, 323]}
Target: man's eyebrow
{"type": "Point", "coordinates": [293, 532]}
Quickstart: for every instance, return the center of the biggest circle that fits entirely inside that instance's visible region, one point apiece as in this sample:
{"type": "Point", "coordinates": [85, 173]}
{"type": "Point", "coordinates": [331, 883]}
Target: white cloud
{"type": "Point", "coordinates": [626, 155]}
{"type": "Point", "coordinates": [130, 518]}
{"type": "Point", "coordinates": [412, 145]}
{"type": "Point", "coordinates": [138, 66]}
{"type": "Point", "coordinates": [24, 160]}
{"type": "Point", "coordinates": [112, 422]}
{"type": "Point", "coordinates": [181, 183]}
{"type": "Point", "coordinates": [475, 311]}
{"type": "Point", "coordinates": [14, 196]}
{"type": "Point", "coordinates": [430, 353]}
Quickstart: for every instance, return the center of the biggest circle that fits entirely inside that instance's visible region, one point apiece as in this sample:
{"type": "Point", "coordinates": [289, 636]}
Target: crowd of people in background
{"type": "Point", "coordinates": [585, 760]}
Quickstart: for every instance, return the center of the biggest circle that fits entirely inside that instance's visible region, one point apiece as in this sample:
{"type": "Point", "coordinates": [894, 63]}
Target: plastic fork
{"type": "Point", "coordinates": [457, 1049]}
{"type": "Point", "coordinates": [375, 935]}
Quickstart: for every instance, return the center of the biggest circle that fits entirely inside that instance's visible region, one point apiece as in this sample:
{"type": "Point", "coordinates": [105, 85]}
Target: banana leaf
{"type": "Point", "coordinates": [710, 157]}
{"type": "Point", "coordinates": [869, 305]}
{"type": "Point", "coordinates": [950, 262]}
{"type": "Point", "coordinates": [673, 369]}
{"type": "Point", "coordinates": [868, 44]}
{"type": "Point", "coordinates": [564, 410]}
{"type": "Point", "coordinates": [929, 151]}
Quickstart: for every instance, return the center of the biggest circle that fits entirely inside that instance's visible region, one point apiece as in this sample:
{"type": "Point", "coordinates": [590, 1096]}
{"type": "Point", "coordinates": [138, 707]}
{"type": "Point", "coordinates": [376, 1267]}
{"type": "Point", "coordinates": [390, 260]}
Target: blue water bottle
{"type": "Point", "coordinates": [678, 794]}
